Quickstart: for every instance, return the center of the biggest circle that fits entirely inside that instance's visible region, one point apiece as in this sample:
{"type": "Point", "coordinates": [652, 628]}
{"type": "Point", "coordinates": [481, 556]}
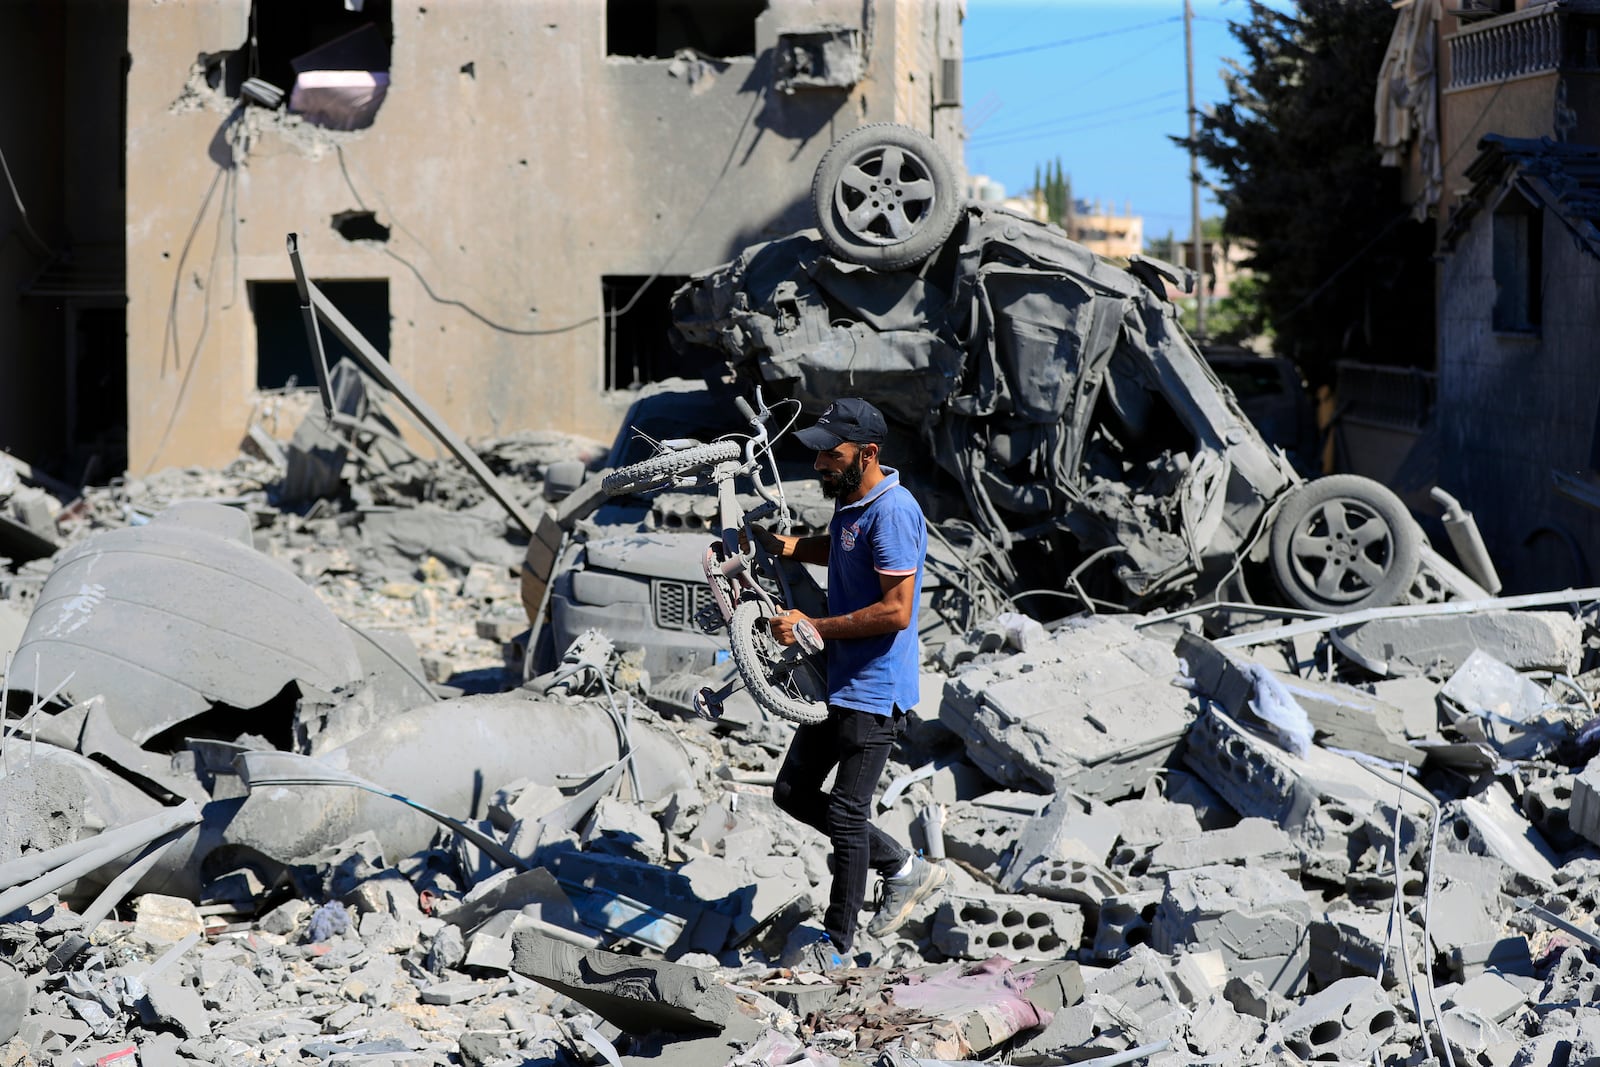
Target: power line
{"type": "Point", "coordinates": [1059, 119]}
{"type": "Point", "coordinates": [1076, 129]}
{"type": "Point", "coordinates": [1087, 80]}
{"type": "Point", "coordinates": [1063, 42]}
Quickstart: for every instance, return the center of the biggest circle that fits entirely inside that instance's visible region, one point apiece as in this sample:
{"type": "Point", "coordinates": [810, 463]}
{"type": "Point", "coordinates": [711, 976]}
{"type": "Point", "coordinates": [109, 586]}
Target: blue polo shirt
{"type": "Point", "coordinates": [882, 533]}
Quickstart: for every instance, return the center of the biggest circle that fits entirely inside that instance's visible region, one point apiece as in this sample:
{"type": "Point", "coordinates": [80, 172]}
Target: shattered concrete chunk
{"type": "Point", "coordinates": [1439, 644]}
{"type": "Point", "coordinates": [1259, 919]}
{"type": "Point", "coordinates": [635, 994]}
{"type": "Point", "coordinates": [1584, 815]}
{"type": "Point", "coordinates": [164, 920]}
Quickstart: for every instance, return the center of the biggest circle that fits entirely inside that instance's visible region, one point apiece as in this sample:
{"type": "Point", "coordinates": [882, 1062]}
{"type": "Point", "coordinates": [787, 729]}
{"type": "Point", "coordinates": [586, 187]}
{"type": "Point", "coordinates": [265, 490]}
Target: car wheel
{"type": "Point", "coordinates": [885, 196]}
{"type": "Point", "coordinates": [660, 469]}
{"type": "Point", "coordinates": [1344, 542]}
{"type": "Point", "coordinates": [780, 678]}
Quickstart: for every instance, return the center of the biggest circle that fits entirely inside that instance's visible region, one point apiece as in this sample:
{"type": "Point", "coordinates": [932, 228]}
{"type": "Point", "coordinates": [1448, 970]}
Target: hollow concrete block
{"type": "Point", "coordinates": [1345, 1022]}
{"type": "Point", "coordinates": [1017, 927]}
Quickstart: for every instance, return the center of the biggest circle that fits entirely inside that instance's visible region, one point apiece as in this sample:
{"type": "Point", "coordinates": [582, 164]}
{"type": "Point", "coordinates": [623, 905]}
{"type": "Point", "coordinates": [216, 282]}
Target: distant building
{"type": "Point", "coordinates": [1492, 110]}
{"type": "Point", "coordinates": [1106, 233]}
{"type": "Point", "coordinates": [501, 194]}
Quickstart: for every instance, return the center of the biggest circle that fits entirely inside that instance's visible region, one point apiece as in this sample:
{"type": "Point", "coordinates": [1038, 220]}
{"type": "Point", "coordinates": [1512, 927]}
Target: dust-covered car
{"type": "Point", "coordinates": [1045, 396]}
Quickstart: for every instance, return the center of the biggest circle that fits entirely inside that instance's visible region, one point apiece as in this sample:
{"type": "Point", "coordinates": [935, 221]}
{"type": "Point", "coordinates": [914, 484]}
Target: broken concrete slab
{"type": "Point", "coordinates": [1071, 827]}
{"type": "Point", "coordinates": [1489, 824]}
{"type": "Point", "coordinates": [636, 995]}
{"type": "Point", "coordinates": [15, 990]}
{"type": "Point", "coordinates": [1490, 996]}
{"type": "Point", "coordinates": [1253, 842]}
{"type": "Point", "coordinates": [1090, 710]}
{"type": "Point", "coordinates": [1338, 811]}
{"type": "Point", "coordinates": [1438, 645]}
{"type": "Point", "coordinates": [1259, 919]}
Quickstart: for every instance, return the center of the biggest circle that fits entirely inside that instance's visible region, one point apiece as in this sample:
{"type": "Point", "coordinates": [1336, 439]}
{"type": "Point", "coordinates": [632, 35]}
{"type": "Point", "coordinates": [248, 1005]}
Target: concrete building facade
{"type": "Point", "coordinates": [1493, 109]}
{"type": "Point", "coordinates": [536, 177]}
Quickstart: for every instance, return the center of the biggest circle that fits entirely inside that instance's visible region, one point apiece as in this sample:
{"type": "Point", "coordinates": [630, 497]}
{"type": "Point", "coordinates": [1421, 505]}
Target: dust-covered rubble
{"type": "Point", "coordinates": [1375, 842]}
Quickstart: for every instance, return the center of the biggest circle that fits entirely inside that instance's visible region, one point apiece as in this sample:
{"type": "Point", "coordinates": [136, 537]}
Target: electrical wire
{"type": "Point", "coordinates": [1065, 41]}
{"type": "Point", "coordinates": [688, 228]}
{"type": "Point", "coordinates": [1096, 113]}
{"type": "Point", "coordinates": [1087, 80]}
{"type": "Point", "coordinates": [16, 197]}
{"type": "Point", "coordinates": [997, 142]}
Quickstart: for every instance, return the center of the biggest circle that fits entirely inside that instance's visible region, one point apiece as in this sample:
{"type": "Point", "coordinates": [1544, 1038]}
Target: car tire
{"type": "Point", "coordinates": [1343, 542]}
{"type": "Point", "coordinates": [779, 678]}
{"type": "Point", "coordinates": [920, 202]}
{"type": "Point", "coordinates": [660, 469]}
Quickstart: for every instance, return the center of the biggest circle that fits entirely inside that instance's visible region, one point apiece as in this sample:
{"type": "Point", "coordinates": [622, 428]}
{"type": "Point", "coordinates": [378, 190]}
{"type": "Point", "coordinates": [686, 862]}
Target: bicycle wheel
{"type": "Point", "coordinates": [780, 678]}
{"type": "Point", "coordinates": [660, 469]}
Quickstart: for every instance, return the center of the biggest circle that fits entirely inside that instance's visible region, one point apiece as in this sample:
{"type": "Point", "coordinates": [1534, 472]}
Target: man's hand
{"type": "Point", "coordinates": [777, 544]}
{"type": "Point", "coordinates": [783, 623]}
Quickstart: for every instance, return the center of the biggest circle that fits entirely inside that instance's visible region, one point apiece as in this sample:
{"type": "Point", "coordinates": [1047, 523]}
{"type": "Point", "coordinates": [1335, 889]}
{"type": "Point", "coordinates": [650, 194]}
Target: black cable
{"type": "Point", "coordinates": [1063, 42]}
{"type": "Point", "coordinates": [688, 229]}
{"type": "Point", "coordinates": [1087, 80]}
{"type": "Point", "coordinates": [1059, 119]}
{"type": "Point", "coordinates": [1075, 129]}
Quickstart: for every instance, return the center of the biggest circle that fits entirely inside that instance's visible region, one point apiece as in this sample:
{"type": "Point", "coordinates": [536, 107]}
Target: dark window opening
{"type": "Point", "coordinates": [658, 29]}
{"type": "Point", "coordinates": [314, 38]}
{"type": "Point", "coordinates": [360, 226]}
{"type": "Point", "coordinates": [98, 343]}
{"type": "Point", "coordinates": [283, 352]}
{"type": "Point", "coordinates": [638, 318]}
{"type": "Point", "coordinates": [1518, 264]}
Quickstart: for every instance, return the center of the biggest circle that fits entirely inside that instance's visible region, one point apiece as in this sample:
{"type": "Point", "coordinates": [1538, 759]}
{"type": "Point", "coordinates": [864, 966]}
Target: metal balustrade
{"type": "Point", "coordinates": [1531, 41]}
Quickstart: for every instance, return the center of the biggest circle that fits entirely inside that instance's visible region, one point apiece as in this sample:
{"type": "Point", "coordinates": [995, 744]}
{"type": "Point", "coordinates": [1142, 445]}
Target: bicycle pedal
{"type": "Point", "coordinates": [706, 704]}
{"type": "Point", "coordinates": [806, 636]}
{"type": "Point", "coordinates": [709, 619]}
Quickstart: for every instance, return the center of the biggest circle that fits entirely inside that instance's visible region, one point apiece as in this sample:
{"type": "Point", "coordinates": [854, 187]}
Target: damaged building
{"type": "Point", "coordinates": [501, 195]}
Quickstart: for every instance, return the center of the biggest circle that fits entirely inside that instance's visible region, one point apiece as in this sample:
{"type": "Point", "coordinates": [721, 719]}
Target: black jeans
{"type": "Point", "coordinates": [859, 742]}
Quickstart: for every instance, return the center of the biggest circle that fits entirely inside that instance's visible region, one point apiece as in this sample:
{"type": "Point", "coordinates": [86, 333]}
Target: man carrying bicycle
{"type": "Point", "coordinates": [874, 553]}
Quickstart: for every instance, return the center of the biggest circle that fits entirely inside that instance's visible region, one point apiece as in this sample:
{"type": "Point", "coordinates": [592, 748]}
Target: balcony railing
{"type": "Point", "coordinates": [1401, 397]}
{"type": "Point", "coordinates": [1532, 41]}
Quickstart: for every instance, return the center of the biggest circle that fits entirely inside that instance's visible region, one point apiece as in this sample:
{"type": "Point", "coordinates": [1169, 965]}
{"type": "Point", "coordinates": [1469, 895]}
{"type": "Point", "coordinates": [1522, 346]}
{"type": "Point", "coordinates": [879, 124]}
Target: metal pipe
{"type": "Point", "coordinates": [123, 838]}
{"type": "Point", "coordinates": [101, 850]}
{"type": "Point", "coordinates": [1467, 541]}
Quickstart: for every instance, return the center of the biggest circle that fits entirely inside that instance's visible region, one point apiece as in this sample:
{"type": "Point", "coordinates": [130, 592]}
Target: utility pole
{"type": "Point", "coordinates": [1194, 181]}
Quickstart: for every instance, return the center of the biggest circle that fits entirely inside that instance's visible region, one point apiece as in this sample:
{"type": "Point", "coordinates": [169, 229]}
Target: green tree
{"type": "Point", "coordinates": [1343, 272]}
{"type": "Point", "coordinates": [1051, 185]}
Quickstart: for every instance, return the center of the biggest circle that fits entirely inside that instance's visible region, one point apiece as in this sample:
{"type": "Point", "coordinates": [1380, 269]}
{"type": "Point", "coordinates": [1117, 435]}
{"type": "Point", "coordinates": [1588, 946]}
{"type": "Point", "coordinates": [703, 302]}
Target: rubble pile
{"type": "Point", "coordinates": [332, 821]}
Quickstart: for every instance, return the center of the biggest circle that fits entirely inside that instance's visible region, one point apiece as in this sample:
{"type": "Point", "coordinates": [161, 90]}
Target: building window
{"type": "Point", "coordinates": [638, 320]}
{"type": "Point", "coordinates": [659, 29]}
{"type": "Point", "coordinates": [283, 352]}
{"type": "Point", "coordinates": [328, 60]}
{"type": "Point", "coordinates": [1518, 264]}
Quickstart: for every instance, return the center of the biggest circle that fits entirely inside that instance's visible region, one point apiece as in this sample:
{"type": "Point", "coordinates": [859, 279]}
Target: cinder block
{"type": "Point", "coordinates": [1017, 927]}
{"type": "Point", "coordinates": [1346, 1022]}
{"type": "Point", "coordinates": [1584, 814]}
{"type": "Point", "coordinates": [1124, 923]}
{"type": "Point", "coordinates": [1077, 882]}
{"type": "Point", "coordinates": [1071, 827]}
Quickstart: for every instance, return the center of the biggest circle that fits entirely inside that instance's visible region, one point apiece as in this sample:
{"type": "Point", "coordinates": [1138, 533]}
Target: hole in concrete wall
{"type": "Point", "coordinates": [1382, 1021]}
{"type": "Point", "coordinates": [340, 56]}
{"type": "Point", "coordinates": [1462, 828]}
{"type": "Point", "coordinates": [360, 226]}
{"type": "Point", "coordinates": [657, 29]}
{"type": "Point", "coordinates": [638, 316]}
{"type": "Point", "coordinates": [283, 352]}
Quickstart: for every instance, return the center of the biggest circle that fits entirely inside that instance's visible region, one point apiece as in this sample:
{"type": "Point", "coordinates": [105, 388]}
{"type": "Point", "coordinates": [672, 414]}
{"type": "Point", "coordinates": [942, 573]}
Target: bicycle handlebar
{"type": "Point", "coordinates": [744, 408]}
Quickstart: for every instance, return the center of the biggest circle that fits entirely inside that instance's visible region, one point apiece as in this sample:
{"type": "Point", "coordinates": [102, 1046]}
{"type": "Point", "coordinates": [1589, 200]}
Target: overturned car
{"type": "Point", "coordinates": [1076, 431]}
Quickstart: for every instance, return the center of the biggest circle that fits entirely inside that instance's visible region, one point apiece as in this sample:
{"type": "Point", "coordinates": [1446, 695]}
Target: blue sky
{"type": "Point", "coordinates": [1106, 103]}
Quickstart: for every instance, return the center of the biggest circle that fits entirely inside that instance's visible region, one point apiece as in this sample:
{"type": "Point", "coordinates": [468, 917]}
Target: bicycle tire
{"type": "Point", "coordinates": [754, 651]}
{"type": "Point", "coordinates": [660, 469]}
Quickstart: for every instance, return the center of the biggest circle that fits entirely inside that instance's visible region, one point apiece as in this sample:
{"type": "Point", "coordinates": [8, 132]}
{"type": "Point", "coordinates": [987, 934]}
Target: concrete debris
{"type": "Point", "coordinates": [379, 839]}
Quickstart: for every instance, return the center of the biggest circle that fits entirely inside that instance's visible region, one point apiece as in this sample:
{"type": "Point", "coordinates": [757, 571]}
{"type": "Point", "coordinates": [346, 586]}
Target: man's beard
{"type": "Point", "coordinates": [844, 482]}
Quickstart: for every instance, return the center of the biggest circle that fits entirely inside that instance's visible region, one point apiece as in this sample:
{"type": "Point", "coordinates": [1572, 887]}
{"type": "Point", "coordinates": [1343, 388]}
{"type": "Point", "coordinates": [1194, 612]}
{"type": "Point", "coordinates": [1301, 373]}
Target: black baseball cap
{"type": "Point", "coordinates": [849, 419]}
